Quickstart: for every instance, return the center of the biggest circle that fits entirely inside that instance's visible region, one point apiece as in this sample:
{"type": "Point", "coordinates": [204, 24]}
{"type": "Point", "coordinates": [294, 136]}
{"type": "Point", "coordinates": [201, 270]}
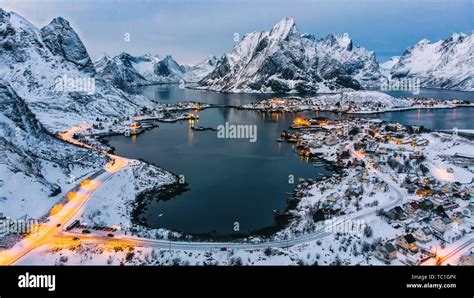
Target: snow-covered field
{"type": "Point", "coordinates": [112, 204]}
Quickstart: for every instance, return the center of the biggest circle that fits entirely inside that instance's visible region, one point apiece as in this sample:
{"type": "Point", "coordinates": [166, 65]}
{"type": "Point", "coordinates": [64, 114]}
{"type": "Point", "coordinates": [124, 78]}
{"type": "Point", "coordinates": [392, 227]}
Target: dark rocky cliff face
{"type": "Point", "coordinates": [61, 39]}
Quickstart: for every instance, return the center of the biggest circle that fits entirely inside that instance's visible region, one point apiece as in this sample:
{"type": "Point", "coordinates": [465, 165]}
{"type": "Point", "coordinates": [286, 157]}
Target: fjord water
{"type": "Point", "coordinates": [234, 180]}
{"type": "Point", "coordinates": [230, 180]}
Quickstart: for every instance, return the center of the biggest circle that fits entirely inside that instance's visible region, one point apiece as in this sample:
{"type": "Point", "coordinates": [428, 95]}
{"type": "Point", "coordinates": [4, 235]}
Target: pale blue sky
{"type": "Point", "coordinates": [192, 30]}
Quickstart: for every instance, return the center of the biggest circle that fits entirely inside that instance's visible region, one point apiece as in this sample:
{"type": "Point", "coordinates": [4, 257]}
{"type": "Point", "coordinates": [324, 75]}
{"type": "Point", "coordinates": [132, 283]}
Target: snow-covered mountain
{"type": "Point", "coordinates": [283, 60]}
{"type": "Point", "coordinates": [447, 63]}
{"type": "Point", "coordinates": [387, 66]}
{"type": "Point", "coordinates": [125, 70]}
{"type": "Point", "coordinates": [197, 72]}
{"type": "Point", "coordinates": [30, 155]}
{"type": "Point", "coordinates": [52, 71]}
{"type": "Point", "coordinates": [168, 70]}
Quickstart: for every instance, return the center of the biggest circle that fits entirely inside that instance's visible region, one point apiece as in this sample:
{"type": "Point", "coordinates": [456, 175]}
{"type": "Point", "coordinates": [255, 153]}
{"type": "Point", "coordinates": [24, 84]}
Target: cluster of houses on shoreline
{"type": "Point", "coordinates": [349, 104]}
{"type": "Point", "coordinates": [436, 213]}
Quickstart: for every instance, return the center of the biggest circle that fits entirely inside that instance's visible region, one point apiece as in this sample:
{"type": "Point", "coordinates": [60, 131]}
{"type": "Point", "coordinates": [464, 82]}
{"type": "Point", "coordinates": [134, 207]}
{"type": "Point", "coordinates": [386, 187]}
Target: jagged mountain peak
{"type": "Point", "coordinates": [212, 58]}
{"type": "Point", "coordinates": [338, 40]}
{"type": "Point", "coordinates": [457, 37]}
{"type": "Point", "coordinates": [51, 70]}
{"type": "Point", "coordinates": [60, 21]}
{"type": "Point", "coordinates": [282, 60]}
{"type": "Point", "coordinates": [169, 60]}
{"type": "Point", "coordinates": [422, 42]}
{"type": "Point", "coordinates": [125, 70]}
{"type": "Point", "coordinates": [104, 56]}
{"type": "Point", "coordinates": [152, 56]}
{"type": "Point", "coordinates": [284, 27]}
{"type": "Point", "coordinates": [62, 40]}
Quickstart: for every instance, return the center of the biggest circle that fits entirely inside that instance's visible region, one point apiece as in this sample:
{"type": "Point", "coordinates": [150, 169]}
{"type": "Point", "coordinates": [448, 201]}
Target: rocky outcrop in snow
{"type": "Point", "coordinates": [62, 40]}
{"type": "Point", "coordinates": [283, 60]}
{"type": "Point", "coordinates": [447, 63]}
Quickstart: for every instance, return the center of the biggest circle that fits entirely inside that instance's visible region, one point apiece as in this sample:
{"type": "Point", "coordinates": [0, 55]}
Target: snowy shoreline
{"type": "Point", "coordinates": [414, 108]}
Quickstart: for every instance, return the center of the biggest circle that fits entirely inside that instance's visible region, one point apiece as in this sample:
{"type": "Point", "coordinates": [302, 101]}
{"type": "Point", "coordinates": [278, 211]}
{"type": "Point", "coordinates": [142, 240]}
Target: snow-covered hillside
{"type": "Point", "coordinates": [35, 167]}
{"type": "Point", "coordinates": [125, 70]}
{"type": "Point", "coordinates": [197, 72]}
{"type": "Point", "coordinates": [447, 63]}
{"type": "Point", "coordinates": [52, 71]}
{"type": "Point", "coordinates": [283, 60]}
{"type": "Point", "coordinates": [366, 101]}
{"type": "Point", "coordinates": [387, 66]}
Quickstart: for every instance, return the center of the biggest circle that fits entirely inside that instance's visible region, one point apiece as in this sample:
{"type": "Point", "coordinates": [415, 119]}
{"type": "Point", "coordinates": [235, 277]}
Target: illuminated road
{"type": "Point", "coordinates": [446, 254]}
{"type": "Point", "coordinates": [62, 214]}
{"type": "Point", "coordinates": [453, 252]}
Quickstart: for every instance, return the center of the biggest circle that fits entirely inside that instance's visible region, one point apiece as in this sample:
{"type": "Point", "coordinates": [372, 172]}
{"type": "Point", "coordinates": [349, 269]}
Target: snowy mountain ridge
{"type": "Point", "coordinates": [447, 63]}
{"type": "Point", "coordinates": [125, 70]}
{"type": "Point", "coordinates": [35, 63]}
{"type": "Point", "coordinates": [283, 60]}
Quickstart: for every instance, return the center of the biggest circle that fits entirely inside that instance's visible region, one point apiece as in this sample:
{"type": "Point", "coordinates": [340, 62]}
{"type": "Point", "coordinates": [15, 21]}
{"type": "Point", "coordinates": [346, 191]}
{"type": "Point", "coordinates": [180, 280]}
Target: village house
{"type": "Point", "coordinates": [437, 200]}
{"type": "Point", "coordinates": [364, 177]}
{"type": "Point", "coordinates": [381, 186]}
{"type": "Point", "coordinates": [333, 198]}
{"type": "Point", "coordinates": [331, 141]}
{"type": "Point", "coordinates": [423, 235]}
{"type": "Point", "coordinates": [411, 206]}
{"type": "Point", "coordinates": [411, 209]}
{"type": "Point", "coordinates": [424, 192]}
{"type": "Point", "coordinates": [386, 252]}
{"type": "Point", "coordinates": [396, 213]}
{"type": "Point", "coordinates": [457, 217]}
{"type": "Point", "coordinates": [450, 205]}
{"type": "Point", "coordinates": [467, 260]}
{"type": "Point", "coordinates": [354, 192]}
{"type": "Point", "coordinates": [426, 205]}
{"type": "Point", "coordinates": [407, 243]}
{"type": "Point", "coordinates": [441, 224]}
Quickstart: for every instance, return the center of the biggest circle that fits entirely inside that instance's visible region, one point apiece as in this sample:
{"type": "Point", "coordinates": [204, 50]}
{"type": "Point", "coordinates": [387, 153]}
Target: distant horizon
{"type": "Point", "coordinates": [192, 31]}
